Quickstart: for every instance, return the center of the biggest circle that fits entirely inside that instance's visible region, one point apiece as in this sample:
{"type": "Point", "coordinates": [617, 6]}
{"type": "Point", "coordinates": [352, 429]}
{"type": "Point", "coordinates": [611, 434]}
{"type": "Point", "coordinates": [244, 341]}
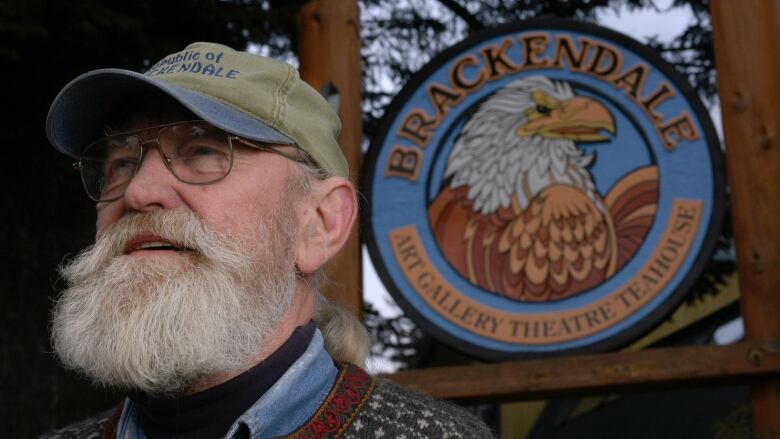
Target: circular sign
{"type": "Point", "coordinates": [542, 187]}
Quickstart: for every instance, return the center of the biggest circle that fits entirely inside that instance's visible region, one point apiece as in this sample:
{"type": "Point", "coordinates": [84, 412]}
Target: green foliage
{"type": "Point", "coordinates": [396, 338]}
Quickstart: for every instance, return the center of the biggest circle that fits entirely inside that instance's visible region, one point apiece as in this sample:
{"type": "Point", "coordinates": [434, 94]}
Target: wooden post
{"type": "Point", "coordinates": [329, 54]}
{"type": "Point", "coordinates": [747, 51]}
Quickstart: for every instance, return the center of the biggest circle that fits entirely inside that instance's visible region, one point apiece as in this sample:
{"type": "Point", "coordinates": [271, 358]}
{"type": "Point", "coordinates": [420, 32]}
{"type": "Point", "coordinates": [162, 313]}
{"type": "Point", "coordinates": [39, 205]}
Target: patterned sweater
{"type": "Point", "coordinates": [358, 407]}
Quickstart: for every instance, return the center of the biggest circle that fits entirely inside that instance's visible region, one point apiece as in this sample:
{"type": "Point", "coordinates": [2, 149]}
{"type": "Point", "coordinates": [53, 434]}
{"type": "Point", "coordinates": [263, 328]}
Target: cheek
{"type": "Point", "coordinates": [107, 215]}
{"type": "Point", "coordinates": [228, 213]}
{"type": "Point", "coordinates": [242, 205]}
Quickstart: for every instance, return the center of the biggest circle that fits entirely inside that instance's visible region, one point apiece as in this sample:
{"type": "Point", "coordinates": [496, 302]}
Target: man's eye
{"type": "Point", "coordinates": [196, 150]}
{"type": "Point", "coordinates": [118, 165]}
{"type": "Point", "coordinates": [116, 172]}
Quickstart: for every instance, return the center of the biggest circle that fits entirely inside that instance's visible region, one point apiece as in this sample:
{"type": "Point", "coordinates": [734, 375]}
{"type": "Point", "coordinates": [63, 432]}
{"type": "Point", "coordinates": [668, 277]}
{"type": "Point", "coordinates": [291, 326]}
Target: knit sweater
{"type": "Point", "coordinates": [358, 407]}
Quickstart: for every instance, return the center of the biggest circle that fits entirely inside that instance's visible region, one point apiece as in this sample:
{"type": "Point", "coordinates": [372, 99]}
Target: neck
{"type": "Point", "coordinates": [557, 161]}
{"type": "Point", "coordinates": [301, 310]}
{"type": "Point", "coordinates": [210, 413]}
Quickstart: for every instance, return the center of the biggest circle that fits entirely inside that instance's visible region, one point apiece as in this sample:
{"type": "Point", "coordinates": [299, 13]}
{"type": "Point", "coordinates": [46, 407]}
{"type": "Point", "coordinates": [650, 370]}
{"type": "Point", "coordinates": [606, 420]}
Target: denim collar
{"type": "Point", "coordinates": [290, 402]}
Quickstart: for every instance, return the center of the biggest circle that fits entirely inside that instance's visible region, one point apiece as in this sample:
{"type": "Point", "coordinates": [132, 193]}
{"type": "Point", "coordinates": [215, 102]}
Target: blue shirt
{"type": "Point", "coordinates": [290, 402]}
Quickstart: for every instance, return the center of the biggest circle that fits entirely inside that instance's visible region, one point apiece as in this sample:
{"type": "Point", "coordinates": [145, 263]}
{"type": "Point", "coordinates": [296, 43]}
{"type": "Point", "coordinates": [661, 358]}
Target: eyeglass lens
{"type": "Point", "coordinates": [195, 152]}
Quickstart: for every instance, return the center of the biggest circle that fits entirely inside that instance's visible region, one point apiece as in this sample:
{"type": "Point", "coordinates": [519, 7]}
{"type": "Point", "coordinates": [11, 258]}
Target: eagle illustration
{"type": "Point", "coordinates": [518, 213]}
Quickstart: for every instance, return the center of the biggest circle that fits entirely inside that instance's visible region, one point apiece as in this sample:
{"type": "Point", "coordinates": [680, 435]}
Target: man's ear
{"type": "Point", "coordinates": [325, 225]}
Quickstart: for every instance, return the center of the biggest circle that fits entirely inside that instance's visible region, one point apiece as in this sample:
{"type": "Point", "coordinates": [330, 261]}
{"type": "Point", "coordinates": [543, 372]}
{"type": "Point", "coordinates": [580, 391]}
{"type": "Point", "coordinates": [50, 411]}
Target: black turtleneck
{"type": "Point", "coordinates": [210, 413]}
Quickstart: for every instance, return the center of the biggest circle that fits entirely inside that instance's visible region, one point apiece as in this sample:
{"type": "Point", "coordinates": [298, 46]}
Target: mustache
{"type": "Point", "coordinates": [181, 227]}
{"type": "Point", "coordinates": [184, 228]}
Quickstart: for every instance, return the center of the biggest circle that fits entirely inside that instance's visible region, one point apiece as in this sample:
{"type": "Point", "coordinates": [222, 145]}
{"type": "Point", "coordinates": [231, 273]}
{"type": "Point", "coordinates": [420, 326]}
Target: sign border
{"type": "Point", "coordinates": [655, 316]}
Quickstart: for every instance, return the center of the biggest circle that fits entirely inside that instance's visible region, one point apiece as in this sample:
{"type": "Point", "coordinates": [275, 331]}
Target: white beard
{"type": "Point", "coordinates": [157, 324]}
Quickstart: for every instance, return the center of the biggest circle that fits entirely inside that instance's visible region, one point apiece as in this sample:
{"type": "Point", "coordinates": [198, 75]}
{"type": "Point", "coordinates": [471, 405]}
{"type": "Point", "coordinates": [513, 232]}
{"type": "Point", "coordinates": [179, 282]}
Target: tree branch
{"type": "Point", "coordinates": [460, 11]}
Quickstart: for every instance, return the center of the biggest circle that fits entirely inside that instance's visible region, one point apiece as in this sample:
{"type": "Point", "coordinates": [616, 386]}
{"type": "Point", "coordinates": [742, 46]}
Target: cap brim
{"type": "Point", "coordinates": [78, 114]}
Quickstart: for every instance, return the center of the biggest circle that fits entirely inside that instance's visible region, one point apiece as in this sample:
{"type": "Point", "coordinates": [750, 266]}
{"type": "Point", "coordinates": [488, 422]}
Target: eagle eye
{"type": "Point", "coordinates": [542, 109]}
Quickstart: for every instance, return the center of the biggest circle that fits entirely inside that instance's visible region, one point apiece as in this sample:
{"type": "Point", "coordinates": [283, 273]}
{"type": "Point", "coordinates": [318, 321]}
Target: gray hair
{"type": "Point", "coordinates": [346, 338]}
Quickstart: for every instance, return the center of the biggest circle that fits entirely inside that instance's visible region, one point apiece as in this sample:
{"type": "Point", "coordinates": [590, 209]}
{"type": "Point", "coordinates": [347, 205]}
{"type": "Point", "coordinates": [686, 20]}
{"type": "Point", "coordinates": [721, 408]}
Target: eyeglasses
{"type": "Point", "coordinates": [194, 151]}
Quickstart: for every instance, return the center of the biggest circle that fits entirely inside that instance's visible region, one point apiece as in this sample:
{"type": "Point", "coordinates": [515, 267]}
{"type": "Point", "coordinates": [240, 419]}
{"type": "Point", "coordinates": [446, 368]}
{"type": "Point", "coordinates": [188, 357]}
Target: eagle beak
{"type": "Point", "coordinates": [580, 118]}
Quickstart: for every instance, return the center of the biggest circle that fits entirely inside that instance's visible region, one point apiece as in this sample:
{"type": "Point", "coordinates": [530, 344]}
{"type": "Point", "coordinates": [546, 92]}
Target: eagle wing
{"type": "Point", "coordinates": [632, 203]}
{"type": "Point", "coordinates": [456, 227]}
{"type": "Point", "coordinates": [561, 244]}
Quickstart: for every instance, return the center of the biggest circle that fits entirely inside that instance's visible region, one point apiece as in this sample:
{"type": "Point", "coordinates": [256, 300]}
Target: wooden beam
{"type": "Point", "coordinates": [329, 55]}
{"type": "Point", "coordinates": [599, 374]}
{"type": "Point", "coordinates": [747, 51]}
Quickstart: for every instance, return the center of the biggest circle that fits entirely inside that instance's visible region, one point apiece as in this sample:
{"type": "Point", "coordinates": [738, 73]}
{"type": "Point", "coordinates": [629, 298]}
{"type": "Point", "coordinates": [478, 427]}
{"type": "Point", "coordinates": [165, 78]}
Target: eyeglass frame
{"type": "Point", "coordinates": [305, 159]}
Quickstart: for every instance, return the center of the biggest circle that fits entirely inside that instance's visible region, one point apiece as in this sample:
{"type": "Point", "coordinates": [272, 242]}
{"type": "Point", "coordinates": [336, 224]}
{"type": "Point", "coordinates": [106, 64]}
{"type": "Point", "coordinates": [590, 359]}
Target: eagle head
{"type": "Point", "coordinates": [522, 139]}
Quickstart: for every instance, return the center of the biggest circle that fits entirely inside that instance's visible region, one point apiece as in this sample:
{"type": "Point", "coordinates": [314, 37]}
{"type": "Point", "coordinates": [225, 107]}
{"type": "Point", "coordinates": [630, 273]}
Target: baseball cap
{"type": "Point", "coordinates": [251, 96]}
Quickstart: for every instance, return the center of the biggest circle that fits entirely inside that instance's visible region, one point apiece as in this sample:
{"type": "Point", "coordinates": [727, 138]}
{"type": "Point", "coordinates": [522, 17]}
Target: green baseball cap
{"type": "Point", "coordinates": [251, 96]}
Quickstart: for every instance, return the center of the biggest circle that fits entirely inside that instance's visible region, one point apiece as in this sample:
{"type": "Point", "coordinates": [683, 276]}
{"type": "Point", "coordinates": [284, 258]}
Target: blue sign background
{"type": "Point", "coordinates": [686, 172]}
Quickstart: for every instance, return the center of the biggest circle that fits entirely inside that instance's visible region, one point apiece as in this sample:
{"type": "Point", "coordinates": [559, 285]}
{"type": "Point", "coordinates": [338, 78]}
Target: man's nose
{"type": "Point", "coordinates": [153, 186]}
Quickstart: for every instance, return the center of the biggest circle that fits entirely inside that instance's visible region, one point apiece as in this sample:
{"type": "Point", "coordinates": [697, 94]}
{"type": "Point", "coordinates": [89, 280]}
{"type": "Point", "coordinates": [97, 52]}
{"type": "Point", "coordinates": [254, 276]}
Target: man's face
{"type": "Point", "coordinates": [233, 206]}
{"type": "Point", "coordinates": [156, 318]}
